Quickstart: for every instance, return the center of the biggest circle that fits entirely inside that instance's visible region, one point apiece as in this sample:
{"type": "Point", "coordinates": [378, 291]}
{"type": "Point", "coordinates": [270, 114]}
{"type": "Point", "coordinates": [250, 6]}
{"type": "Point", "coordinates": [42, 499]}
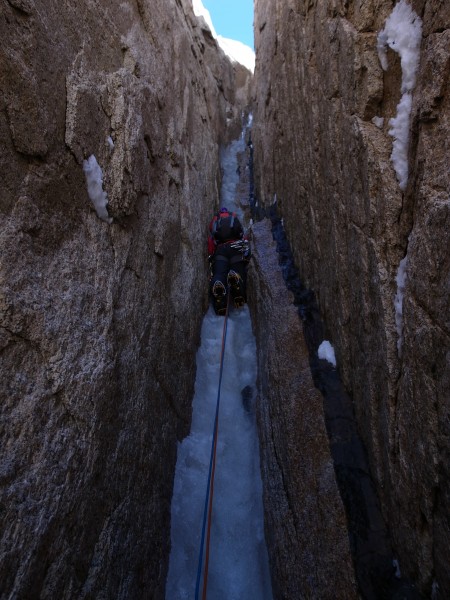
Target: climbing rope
{"type": "Point", "coordinates": [207, 513]}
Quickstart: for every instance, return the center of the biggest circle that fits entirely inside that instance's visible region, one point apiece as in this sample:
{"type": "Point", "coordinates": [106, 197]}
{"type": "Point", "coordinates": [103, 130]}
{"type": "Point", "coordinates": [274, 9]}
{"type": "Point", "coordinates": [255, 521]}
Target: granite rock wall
{"type": "Point", "coordinates": [318, 86]}
{"type": "Point", "coordinates": [100, 318]}
{"type": "Point", "coordinates": [306, 527]}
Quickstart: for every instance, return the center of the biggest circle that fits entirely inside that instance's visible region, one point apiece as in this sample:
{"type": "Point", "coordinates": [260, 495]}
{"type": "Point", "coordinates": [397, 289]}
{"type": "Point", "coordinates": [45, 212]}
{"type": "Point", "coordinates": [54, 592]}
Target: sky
{"type": "Point", "coordinates": [232, 19]}
{"type": "Point", "coordinates": [229, 32]}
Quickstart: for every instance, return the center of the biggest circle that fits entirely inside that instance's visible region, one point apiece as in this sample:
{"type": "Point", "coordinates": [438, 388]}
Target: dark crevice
{"type": "Point", "coordinates": [370, 546]}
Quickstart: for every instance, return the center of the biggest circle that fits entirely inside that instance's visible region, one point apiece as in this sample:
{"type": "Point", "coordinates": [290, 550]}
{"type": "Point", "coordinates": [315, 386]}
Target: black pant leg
{"type": "Point", "coordinates": [221, 266]}
{"type": "Point", "coordinates": [220, 269]}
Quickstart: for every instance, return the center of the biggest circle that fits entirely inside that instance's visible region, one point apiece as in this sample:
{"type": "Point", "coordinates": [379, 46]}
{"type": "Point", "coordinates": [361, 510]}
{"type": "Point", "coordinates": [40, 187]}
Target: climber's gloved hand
{"type": "Point", "coordinates": [244, 247]}
{"type": "Point", "coordinates": [239, 245]}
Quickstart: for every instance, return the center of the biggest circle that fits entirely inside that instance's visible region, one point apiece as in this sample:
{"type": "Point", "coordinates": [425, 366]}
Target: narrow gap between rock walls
{"type": "Point", "coordinates": [238, 563]}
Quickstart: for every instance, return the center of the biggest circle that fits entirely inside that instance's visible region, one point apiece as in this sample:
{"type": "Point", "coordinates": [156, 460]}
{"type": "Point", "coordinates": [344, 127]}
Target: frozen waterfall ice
{"type": "Point", "coordinates": [238, 564]}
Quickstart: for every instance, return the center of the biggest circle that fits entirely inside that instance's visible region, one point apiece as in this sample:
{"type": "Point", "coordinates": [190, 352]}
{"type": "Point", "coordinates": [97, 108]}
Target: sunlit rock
{"type": "Point", "coordinates": [100, 320]}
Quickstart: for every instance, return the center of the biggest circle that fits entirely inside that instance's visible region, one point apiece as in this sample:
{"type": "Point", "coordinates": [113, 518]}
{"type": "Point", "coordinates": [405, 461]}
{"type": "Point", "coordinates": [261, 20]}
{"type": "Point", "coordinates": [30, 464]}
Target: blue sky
{"type": "Point", "coordinates": [232, 19]}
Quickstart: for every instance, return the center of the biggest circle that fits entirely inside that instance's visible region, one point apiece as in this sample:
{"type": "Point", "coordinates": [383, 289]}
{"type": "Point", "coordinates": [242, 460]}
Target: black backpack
{"type": "Point", "coordinates": [226, 227]}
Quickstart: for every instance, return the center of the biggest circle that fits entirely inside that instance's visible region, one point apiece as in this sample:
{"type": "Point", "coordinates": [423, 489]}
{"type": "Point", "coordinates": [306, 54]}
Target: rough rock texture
{"type": "Point", "coordinates": [306, 530]}
{"type": "Point", "coordinates": [99, 322]}
{"type": "Point", "coordinates": [318, 84]}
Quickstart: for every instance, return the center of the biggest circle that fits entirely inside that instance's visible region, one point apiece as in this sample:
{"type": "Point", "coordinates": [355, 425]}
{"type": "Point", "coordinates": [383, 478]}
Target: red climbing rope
{"type": "Point", "coordinates": [207, 514]}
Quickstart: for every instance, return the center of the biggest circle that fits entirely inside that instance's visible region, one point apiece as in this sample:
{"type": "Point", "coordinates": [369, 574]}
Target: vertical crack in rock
{"type": "Point", "coordinates": [369, 542]}
{"type": "Point", "coordinates": [305, 522]}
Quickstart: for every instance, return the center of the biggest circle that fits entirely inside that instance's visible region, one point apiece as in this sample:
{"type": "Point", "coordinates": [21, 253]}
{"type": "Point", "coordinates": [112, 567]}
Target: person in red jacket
{"type": "Point", "coordinates": [229, 253]}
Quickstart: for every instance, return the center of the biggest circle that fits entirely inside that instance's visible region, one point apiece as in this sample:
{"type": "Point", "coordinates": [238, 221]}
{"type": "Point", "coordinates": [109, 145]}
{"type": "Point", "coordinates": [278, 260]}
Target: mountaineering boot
{"type": "Point", "coordinates": [236, 284]}
{"type": "Point", "coordinates": [220, 303]}
{"type": "Point", "coordinates": [218, 289]}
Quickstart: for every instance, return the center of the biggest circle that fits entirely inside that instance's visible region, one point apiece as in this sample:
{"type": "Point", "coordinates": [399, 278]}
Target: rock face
{"type": "Point", "coordinates": [100, 320]}
{"type": "Point", "coordinates": [306, 529]}
{"type": "Point", "coordinates": [318, 85]}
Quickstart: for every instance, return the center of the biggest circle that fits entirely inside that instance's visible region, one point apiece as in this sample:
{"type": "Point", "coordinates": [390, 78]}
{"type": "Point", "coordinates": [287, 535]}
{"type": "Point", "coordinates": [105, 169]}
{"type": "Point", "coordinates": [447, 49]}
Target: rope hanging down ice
{"type": "Point", "coordinates": [207, 513]}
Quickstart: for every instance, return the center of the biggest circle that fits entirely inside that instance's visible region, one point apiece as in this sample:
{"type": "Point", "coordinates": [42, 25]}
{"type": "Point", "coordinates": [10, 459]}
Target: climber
{"type": "Point", "coordinates": [229, 253]}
